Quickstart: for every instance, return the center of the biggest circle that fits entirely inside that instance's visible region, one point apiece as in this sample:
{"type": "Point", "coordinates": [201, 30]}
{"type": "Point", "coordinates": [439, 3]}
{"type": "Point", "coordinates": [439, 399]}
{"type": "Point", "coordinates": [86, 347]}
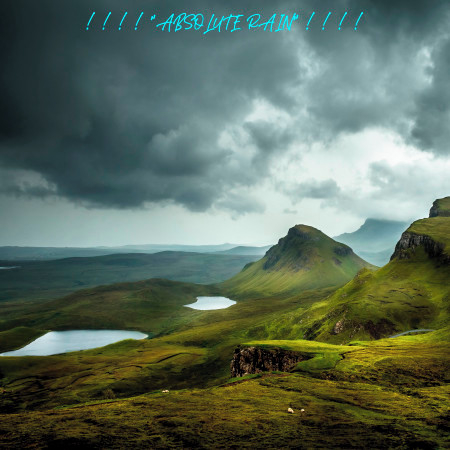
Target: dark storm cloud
{"type": "Point", "coordinates": [119, 119]}
{"type": "Point", "coordinates": [380, 79]}
{"type": "Point", "coordinates": [432, 114]}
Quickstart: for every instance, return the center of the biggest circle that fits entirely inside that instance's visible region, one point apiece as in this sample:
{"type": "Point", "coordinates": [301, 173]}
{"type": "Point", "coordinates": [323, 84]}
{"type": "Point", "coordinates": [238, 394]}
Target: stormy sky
{"type": "Point", "coordinates": [143, 136]}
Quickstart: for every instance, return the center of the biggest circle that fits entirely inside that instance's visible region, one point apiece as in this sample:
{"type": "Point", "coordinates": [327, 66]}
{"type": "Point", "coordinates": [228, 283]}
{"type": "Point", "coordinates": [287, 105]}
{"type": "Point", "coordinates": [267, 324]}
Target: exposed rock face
{"type": "Point", "coordinates": [410, 241]}
{"type": "Point", "coordinates": [437, 210]}
{"type": "Point", "coordinates": [377, 330]}
{"type": "Point", "coordinates": [339, 327]}
{"type": "Point", "coordinates": [434, 211]}
{"type": "Point", "coordinates": [256, 360]}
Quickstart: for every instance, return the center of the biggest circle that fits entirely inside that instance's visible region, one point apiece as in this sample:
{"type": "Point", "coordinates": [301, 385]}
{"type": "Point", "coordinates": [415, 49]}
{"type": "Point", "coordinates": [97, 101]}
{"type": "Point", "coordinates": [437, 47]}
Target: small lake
{"type": "Point", "coordinates": [9, 267]}
{"type": "Point", "coordinates": [56, 342]}
{"type": "Point", "coordinates": [209, 303]}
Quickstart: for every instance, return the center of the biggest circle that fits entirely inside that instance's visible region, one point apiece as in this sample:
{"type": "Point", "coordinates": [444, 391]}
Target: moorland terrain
{"type": "Point", "coordinates": [311, 331]}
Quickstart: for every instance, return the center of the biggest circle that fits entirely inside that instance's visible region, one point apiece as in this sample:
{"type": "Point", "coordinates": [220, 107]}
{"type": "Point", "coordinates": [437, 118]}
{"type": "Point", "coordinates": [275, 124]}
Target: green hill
{"type": "Point", "coordinates": [411, 292]}
{"type": "Point", "coordinates": [304, 259]}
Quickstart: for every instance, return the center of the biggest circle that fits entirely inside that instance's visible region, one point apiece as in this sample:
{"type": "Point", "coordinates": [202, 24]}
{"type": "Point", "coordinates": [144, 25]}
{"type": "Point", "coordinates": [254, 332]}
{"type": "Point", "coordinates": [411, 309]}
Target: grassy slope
{"type": "Point", "coordinates": [408, 294]}
{"type": "Point", "coordinates": [297, 263]}
{"type": "Point", "coordinates": [154, 306]}
{"type": "Point", "coordinates": [390, 393]}
{"type": "Point", "coordinates": [149, 306]}
{"type": "Point", "coordinates": [50, 279]}
{"type": "Point", "coordinates": [387, 393]}
{"type": "Point", "coordinates": [403, 295]}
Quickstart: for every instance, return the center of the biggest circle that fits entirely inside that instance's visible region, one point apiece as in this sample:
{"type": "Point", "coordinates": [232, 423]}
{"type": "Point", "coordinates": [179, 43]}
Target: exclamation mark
{"type": "Point", "coordinates": [106, 20]}
{"type": "Point", "coordinates": [325, 21]}
{"type": "Point", "coordinates": [135, 27]}
{"type": "Point", "coordinates": [340, 23]}
{"type": "Point", "coordinates": [123, 18]}
{"type": "Point", "coordinates": [307, 25]}
{"type": "Point", "coordinates": [87, 26]}
{"type": "Point", "coordinates": [359, 18]}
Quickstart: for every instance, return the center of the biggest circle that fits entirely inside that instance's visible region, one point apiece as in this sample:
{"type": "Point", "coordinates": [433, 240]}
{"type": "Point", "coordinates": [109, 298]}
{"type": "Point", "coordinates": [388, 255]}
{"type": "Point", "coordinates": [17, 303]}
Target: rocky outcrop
{"type": "Point", "coordinates": [438, 209]}
{"type": "Point", "coordinates": [250, 360]}
{"type": "Point", "coordinates": [339, 326]}
{"type": "Point", "coordinates": [377, 330]}
{"type": "Point", "coordinates": [408, 243]}
{"type": "Point", "coordinates": [434, 211]}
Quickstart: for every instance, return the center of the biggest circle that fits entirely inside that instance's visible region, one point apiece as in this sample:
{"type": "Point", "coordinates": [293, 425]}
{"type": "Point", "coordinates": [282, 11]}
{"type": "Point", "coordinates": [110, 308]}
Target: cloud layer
{"type": "Point", "coordinates": [126, 119]}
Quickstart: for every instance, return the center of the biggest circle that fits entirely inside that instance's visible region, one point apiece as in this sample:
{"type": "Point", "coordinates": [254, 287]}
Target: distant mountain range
{"type": "Point", "coordinates": [16, 253]}
{"type": "Point", "coordinates": [246, 250]}
{"type": "Point", "coordinates": [375, 239]}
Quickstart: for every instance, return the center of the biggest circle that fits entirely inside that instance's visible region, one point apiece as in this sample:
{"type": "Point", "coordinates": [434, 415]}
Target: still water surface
{"type": "Point", "coordinates": [56, 342]}
{"type": "Point", "coordinates": [208, 303]}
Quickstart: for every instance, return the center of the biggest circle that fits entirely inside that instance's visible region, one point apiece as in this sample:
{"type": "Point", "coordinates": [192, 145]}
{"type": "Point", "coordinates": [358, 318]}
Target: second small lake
{"type": "Point", "coordinates": [209, 303]}
{"type": "Point", "coordinates": [56, 342]}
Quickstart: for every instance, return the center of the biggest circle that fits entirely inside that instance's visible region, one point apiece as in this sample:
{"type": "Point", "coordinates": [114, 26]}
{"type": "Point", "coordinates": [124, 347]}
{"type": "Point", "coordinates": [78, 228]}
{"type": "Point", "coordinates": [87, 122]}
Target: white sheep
{"type": "Point", "coordinates": [165, 391]}
{"type": "Point", "coordinates": [290, 411]}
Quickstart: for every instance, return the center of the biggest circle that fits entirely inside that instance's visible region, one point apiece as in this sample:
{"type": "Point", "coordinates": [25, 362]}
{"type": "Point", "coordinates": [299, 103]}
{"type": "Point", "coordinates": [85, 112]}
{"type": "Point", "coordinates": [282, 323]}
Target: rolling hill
{"type": "Point", "coordinates": [51, 279]}
{"type": "Point", "coordinates": [246, 250]}
{"type": "Point", "coordinates": [304, 259]}
{"type": "Point", "coordinates": [19, 253]}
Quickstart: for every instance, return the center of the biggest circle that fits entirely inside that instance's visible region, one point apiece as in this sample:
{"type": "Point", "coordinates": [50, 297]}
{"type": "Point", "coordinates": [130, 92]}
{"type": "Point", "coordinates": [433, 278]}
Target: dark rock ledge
{"type": "Point", "coordinates": [250, 360]}
{"type": "Point", "coordinates": [408, 243]}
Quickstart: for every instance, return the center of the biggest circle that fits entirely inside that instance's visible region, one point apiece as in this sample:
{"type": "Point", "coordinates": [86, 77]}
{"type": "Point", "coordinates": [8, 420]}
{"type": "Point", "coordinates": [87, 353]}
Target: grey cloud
{"type": "Point", "coordinates": [431, 130]}
{"type": "Point", "coordinates": [325, 189]}
{"type": "Point", "coordinates": [122, 119]}
{"type": "Point", "coordinates": [398, 191]}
